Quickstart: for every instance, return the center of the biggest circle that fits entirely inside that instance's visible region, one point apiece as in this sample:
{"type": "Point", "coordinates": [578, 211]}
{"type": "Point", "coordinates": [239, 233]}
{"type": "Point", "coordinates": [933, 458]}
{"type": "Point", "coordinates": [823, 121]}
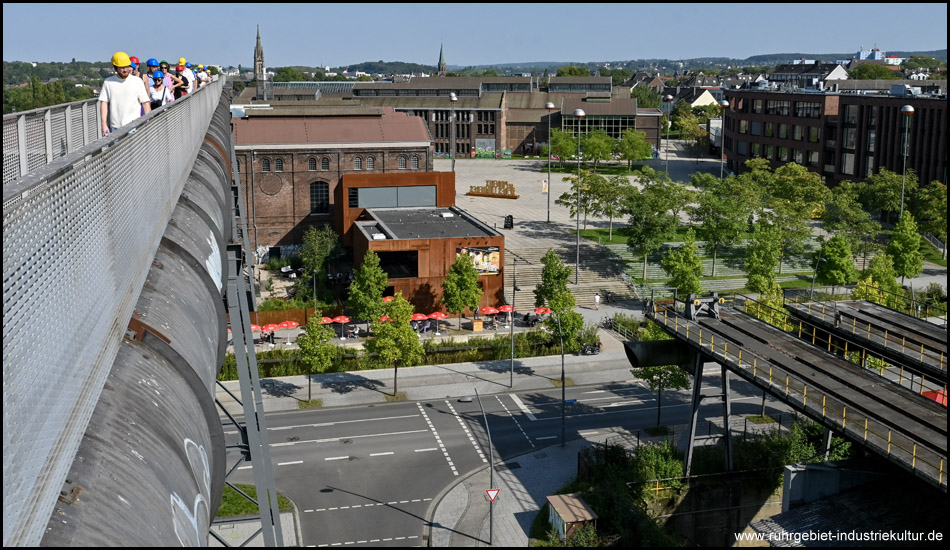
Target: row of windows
{"type": "Point", "coordinates": [325, 164]}
{"type": "Point", "coordinates": [780, 130]}
{"type": "Point", "coordinates": [779, 153]}
{"type": "Point", "coordinates": [803, 109]}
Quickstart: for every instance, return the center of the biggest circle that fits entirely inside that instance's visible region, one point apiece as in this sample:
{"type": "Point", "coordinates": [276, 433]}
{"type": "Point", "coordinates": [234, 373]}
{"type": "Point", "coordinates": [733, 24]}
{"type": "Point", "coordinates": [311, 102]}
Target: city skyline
{"type": "Point", "coordinates": [512, 33]}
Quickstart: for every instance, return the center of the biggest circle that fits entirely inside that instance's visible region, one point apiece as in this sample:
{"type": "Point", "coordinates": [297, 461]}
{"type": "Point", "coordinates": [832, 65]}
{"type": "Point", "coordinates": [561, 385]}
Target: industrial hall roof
{"type": "Point", "coordinates": [386, 127]}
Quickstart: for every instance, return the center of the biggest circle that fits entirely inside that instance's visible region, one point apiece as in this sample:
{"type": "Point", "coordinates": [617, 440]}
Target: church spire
{"type": "Point", "coordinates": [441, 70]}
{"type": "Point", "coordinates": [259, 65]}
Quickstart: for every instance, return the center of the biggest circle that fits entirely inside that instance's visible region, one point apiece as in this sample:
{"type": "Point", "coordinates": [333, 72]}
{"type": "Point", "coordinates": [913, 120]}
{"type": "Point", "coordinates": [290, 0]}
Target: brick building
{"type": "Point", "coordinates": [292, 160]}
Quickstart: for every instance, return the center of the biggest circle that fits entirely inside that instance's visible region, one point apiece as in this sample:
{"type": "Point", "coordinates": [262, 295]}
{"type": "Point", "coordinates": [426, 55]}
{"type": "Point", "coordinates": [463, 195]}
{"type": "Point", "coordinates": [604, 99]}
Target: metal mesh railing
{"type": "Point", "coordinates": [34, 138]}
{"type": "Point", "coordinates": [79, 236]}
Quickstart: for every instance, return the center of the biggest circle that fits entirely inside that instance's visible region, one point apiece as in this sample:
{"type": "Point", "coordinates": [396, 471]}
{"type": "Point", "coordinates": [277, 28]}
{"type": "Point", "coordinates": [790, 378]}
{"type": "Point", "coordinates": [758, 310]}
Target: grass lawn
{"type": "Point", "coordinates": [616, 168]}
{"type": "Point", "coordinates": [602, 236]}
{"type": "Point", "coordinates": [235, 505]}
{"type": "Point", "coordinates": [930, 253]}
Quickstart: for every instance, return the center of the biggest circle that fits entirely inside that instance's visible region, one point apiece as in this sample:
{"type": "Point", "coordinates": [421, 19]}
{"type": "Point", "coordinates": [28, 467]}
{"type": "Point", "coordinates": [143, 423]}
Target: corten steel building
{"type": "Point", "coordinates": [411, 223]}
{"type": "Point", "coordinates": [838, 135]}
{"type": "Point", "coordinates": [292, 161]}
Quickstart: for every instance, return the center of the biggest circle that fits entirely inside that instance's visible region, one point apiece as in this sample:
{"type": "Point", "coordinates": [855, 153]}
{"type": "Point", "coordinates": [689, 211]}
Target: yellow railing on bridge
{"type": "Point", "coordinates": [811, 399]}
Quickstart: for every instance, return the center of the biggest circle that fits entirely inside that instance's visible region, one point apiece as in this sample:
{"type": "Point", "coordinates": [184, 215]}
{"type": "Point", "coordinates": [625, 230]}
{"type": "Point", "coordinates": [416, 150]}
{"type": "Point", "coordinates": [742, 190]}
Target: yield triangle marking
{"type": "Point", "coordinates": [492, 493]}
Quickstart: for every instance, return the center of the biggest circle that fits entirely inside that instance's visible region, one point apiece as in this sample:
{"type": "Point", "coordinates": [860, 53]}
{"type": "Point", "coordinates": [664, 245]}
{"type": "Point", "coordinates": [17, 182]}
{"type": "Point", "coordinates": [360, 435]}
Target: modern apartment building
{"type": "Point", "coordinates": [841, 136]}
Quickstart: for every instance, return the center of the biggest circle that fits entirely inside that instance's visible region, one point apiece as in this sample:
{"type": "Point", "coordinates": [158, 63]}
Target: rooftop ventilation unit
{"type": "Point", "coordinates": [379, 237]}
{"type": "Point", "coordinates": [447, 215]}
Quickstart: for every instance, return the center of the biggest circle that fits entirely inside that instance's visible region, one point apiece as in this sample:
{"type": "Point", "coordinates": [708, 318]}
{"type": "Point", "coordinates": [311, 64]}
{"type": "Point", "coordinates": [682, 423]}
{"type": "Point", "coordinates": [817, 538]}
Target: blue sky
{"type": "Point", "coordinates": [343, 34]}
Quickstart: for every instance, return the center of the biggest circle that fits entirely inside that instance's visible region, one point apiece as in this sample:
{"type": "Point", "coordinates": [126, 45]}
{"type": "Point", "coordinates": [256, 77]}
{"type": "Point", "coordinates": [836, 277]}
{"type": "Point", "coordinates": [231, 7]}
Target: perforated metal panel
{"type": "Point", "coordinates": [77, 245]}
{"type": "Point", "coordinates": [29, 129]}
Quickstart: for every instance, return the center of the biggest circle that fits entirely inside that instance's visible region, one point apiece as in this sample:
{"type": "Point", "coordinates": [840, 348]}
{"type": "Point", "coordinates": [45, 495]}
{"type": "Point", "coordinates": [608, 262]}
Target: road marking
{"type": "Point", "coordinates": [468, 433]}
{"type": "Point", "coordinates": [426, 450]}
{"type": "Point", "coordinates": [390, 539]}
{"type": "Point", "coordinates": [342, 437]}
{"type": "Point", "coordinates": [245, 467]}
{"type": "Point", "coordinates": [336, 458]}
{"type": "Point", "coordinates": [382, 454]}
{"type": "Point", "coordinates": [546, 437]}
{"type": "Point", "coordinates": [290, 463]}
{"type": "Point", "coordinates": [588, 432]}
{"type": "Point", "coordinates": [521, 406]}
{"type": "Point", "coordinates": [368, 505]}
{"type": "Point", "coordinates": [515, 420]}
{"type": "Point", "coordinates": [438, 440]}
{"type": "Point", "coordinates": [324, 424]}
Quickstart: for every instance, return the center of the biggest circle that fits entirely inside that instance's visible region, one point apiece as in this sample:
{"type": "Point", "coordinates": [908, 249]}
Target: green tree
{"type": "Point", "coordinates": [553, 292]}
{"type": "Point", "coordinates": [563, 144]}
{"type": "Point", "coordinates": [658, 379]}
{"type": "Point", "coordinates": [722, 218]}
{"type": "Point", "coordinates": [569, 199]}
{"type": "Point", "coordinates": [879, 283]}
{"type": "Point", "coordinates": [843, 215]}
{"type": "Point", "coordinates": [319, 246]}
{"type": "Point", "coordinates": [646, 98]}
{"type": "Point", "coordinates": [883, 190]}
{"type": "Point", "coordinates": [763, 255]}
{"type": "Point", "coordinates": [460, 288]}
{"type": "Point", "coordinates": [904, 248]}
{"type": "Point", "coordinates": [365, 301]}
{"type": "Point", "coordinates": [289, 74]}
{"type": "Point", "coordinates": [651, 221]}
{"type": "Point", "coordinates": [933, 209]}
{"type": "Point", "coordinates": [837, 267]}
{"type": "Point", "coordinates": [395, 342]}
{"type": "Point", "coordinates": [609, 196]}
{"type": "Point", "coordinates": [684, 266]}
{"type": "Point", "coordinates": [316, 349]}
{"type": "Point", "coordinates": [633, 146]}
{"type": "Point", "coordinates": [573, 70]}
{"type": "Point", "coordinates": [597, 146]}
{"type": "Point", "coordinates": [868, 71]}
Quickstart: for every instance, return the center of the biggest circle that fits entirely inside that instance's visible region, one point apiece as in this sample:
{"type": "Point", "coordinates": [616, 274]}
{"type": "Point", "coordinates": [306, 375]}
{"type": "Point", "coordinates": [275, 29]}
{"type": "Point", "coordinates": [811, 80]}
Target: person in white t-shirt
{"type": "Point", "coordinates": [122, 99]}
{"type": "Point", "coordinates": [188, 74]}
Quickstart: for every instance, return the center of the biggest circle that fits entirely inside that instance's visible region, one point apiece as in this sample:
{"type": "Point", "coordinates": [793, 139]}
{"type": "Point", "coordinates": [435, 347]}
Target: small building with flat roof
{"type": "Point", "coordinates": [567, 513]}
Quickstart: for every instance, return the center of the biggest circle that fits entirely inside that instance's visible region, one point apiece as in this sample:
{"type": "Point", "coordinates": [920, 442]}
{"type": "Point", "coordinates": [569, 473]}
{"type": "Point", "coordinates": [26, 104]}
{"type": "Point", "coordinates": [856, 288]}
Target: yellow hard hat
{"type": "Point", "coordinates": [121, 59]}
{"type": "Point", "coordinates": [201, 66]}
{"type": "Point", "coordinates": [181, 60]}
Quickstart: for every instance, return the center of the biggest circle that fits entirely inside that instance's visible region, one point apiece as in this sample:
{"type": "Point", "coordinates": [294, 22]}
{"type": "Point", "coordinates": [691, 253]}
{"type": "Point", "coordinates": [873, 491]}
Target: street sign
{"type": "Point", "coordinates": [571, 401]}
{"type": "Point", "coordinates": [492, 493]}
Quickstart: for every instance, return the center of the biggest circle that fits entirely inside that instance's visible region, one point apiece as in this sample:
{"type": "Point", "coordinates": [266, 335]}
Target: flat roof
{"type": "Point", "coordinates": [423, 223]}
{"type": "Point", "coordinates": [571, 508]}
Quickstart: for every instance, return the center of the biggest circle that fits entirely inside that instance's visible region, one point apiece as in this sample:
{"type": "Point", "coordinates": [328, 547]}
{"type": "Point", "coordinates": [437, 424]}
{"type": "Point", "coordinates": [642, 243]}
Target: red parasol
{"type": "Point", "coordinates": [488, 310]}
{"type": "Point", "coordinates": [388, 299]}
{"type": "Point", "coordinates": [255, 327]}
{"type": "Point", "coordinates": [289, 325]}
{"type": "Point", "coordinates": [341, 319]}
{"type": "Point", "coordinates": [326, 321]}
{"type": "Point", "coordinates": [506, 308]}
{"type": "Point", "coordinates": [418, 317]}
{"type": "Point", "coordinates": [385, 319]}
{"type": "Point", "coordinates": [543, 310]}
{"type": "Point", "coordinates": [270, 327]}
{"type": "Point", "coordinates": [438, 315]}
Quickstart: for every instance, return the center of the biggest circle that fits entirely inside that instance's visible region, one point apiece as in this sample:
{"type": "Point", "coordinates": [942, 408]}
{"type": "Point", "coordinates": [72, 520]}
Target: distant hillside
{"type": "Point", "coordinates": [387, 67]}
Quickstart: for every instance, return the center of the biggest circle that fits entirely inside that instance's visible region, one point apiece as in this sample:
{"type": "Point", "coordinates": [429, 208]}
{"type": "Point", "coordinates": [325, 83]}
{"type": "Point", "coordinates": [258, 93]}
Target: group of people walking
{"type": "Point", "coordinates": [132, 93]}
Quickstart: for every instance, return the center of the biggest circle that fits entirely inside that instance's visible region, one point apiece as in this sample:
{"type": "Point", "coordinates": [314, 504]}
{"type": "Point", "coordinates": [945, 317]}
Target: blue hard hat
{"type": "Point", "coordinates": [158, 74]}
{"type": "Point", "coordinates": [152, 62]}
{"type": "Point", "coordinates": [188, 65]}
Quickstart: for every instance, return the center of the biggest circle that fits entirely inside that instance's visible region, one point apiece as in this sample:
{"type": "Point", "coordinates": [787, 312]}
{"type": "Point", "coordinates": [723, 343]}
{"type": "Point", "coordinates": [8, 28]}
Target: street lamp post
{"type": "Point", "coordinates": [811, 295]}
{"type": "Point", "coordinates": [722, 137]}
{"type": "Point", "coordinates": [579, 114]}
{"type": "Point", "coordinates": [453, 99]}
{"type": "Point", "coordinates": [669, 105]}
{"type": "Point", "coordinates": [906, 112]}
{"type": "Point", "coordinates": [550, 107]}
{"type": "Point", "coordinates": [563, 395]}
{"type": "Point", "coordinates": [514, 294]}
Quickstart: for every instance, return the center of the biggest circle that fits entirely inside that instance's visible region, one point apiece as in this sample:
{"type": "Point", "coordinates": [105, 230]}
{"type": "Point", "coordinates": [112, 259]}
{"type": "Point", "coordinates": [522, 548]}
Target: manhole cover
{"type": "Point", "coordinates": [294, 438]}
{"type": "Point", "coordinates": [346, 441]}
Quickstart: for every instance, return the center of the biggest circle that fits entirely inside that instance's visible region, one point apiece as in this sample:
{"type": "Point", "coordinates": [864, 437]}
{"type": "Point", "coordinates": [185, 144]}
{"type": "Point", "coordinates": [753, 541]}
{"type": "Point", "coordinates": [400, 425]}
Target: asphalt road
{"type": "Point", "coordinates": [369, 474]}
